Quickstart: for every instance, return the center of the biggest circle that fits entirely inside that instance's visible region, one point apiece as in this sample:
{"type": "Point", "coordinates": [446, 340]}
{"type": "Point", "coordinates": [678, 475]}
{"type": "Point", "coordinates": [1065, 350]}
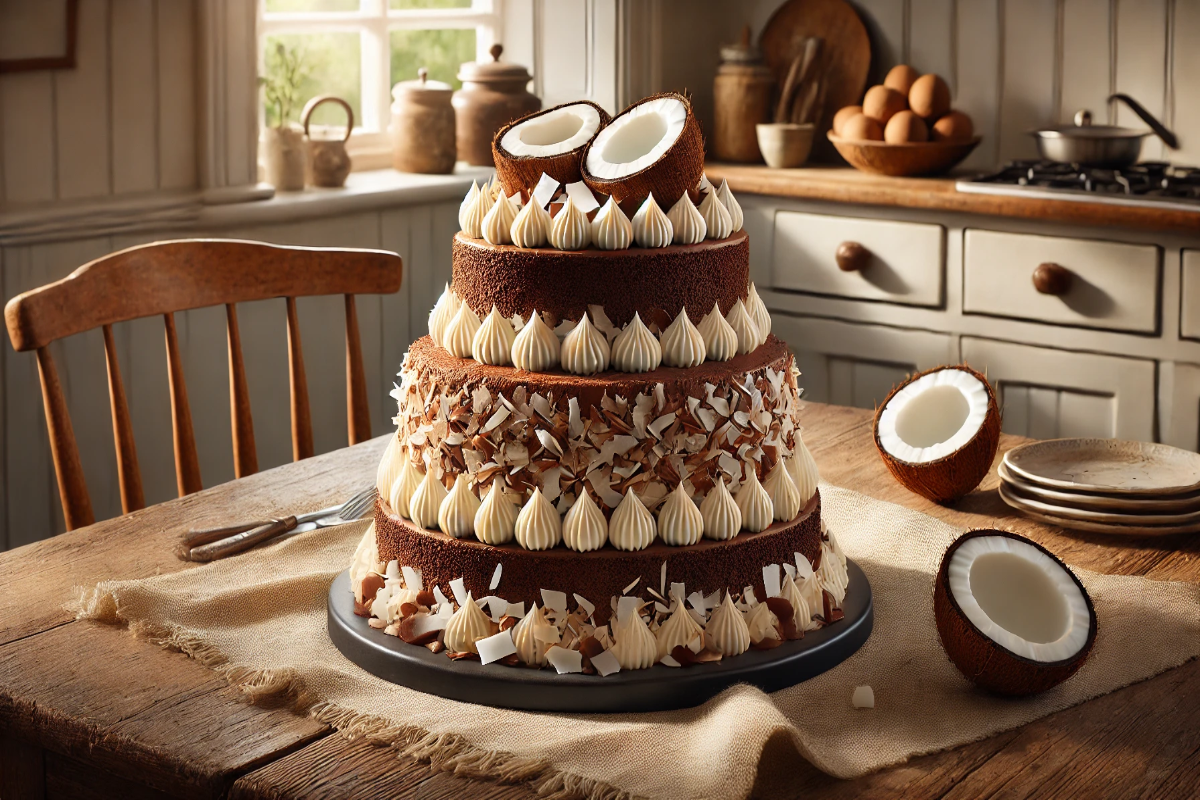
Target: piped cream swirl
{"type": "Point", "coordinates": [679, 520]}
{"type": "Point", "coordinates": [426, 501]}
{"type": "Point", "coordinates": [635, 646]}
{"type": "Point", "coordinates": [530, 648]}
{"type": "Point", "coordinates": [467, 626]}
{"type": "Point", "coordinates": [757, 310]}
{"type": "Point", "coordinates": [686, 222]}
{"type": "Point", "coordinates": [585, 350]}
{"type": "Point", "coordinates": [736, 218]}
{"type": "Point", "coordinates": [391, 466]}
{"type": "Point", "coordinates": [754, 502]}
{"type": "Point", "coordinates": [538, 526]}
{"type": "Point", "coordinates": [536, 348]}
{"type": "Point", "coordinates": [496, 517]}
{"type": "Point", "coordinates": [441, 315]}
{"type": "Point", "coordinates": [460, 333]}
{"type": "Point", "coordinates": [727, 629]}
{"type": "Point", "coordinates": [456, 515]}
{"type": "Point", "coordinates": [744, 328]}
{"type": "Point", "coordinates": [803, 469]}
{"type": "Point", "coordinates": [497, 225]}
{"type": "Point", "coordinates": [635, 349]}
{"type": "Point", "coordinates": [611, 229]}
{"type": "Point", "coordinates": [716, 216]}
{"type": "Point", "coordinates": [720, 513]}
{"type": "Point", "coordinates": [403, 489]}
{"type": "Point", "coordinates": [720, 340]}
{"type": "Point", "coordinates": [493, 342]}
{"type": "Point", "coordinates": [570, 229]}
{"type": "Point", "coordinates": [785, 498]}
{"type": "Point", "coordinates": [584, 526]}
{"type": "Point", "coordinates": [682, 344]}
{"type": "Point", "coordinates": [651, 228]}
{"type": "Point", "coordinates": [472, 193]}
{"type": "Point", "coordinates": [679, 629]}
{"type": "Point", "coordinates": [631, 526]}
{"type": "Point", "coordinates": [531, 227]}
{"type": "Point", "coordinates": [471, 218]}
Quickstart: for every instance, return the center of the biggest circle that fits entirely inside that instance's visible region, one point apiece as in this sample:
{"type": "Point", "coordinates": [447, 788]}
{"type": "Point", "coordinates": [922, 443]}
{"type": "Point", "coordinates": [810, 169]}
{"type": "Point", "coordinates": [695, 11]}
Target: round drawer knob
{"type": "Point", "coordinates": [1053, 279]}
{"type": "Point", "coordinates": [852, 257]}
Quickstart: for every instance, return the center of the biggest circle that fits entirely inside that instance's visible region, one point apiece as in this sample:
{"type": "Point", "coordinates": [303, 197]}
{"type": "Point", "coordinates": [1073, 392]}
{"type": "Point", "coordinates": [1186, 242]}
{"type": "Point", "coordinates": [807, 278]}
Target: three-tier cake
{"type": "Point", "coordinates": [598, 462]}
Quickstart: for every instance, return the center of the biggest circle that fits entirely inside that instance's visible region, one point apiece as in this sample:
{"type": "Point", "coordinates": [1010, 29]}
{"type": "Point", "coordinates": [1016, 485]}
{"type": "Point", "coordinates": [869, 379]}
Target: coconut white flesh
{"type": "Point", "coordinates": [933, 416]}
{"type": "Point", "coordinates": [1020, 598]}
{"type": "Point", "coordinates": [553, 133]}
{"type": "Point", "coordinates": [637, 139]}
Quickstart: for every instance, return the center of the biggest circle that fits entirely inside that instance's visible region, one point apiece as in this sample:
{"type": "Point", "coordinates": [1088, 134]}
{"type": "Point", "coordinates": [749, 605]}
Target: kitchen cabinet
{"type": "Point", "coordinates": [1183, 417]}
{"type": "Point", "coordinates": [1189, 307]}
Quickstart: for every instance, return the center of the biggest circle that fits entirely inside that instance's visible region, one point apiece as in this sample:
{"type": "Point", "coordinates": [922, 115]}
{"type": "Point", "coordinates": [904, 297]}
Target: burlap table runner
{"type": "Point", "coordinates": [260, 621]}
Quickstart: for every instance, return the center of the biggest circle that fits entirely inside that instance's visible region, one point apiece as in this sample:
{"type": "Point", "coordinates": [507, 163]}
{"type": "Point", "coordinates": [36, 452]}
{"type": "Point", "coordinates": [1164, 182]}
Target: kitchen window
{"type": "Point", "coordinates": [359, 49]}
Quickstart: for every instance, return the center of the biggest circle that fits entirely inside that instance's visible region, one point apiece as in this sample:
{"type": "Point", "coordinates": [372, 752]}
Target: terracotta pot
{"type": "Point", "coordinates": [422, 129]}
{"type": "Point", "coordinates": [493, 95]}
{"type": "Point", "coordinates": [328, 163]}
{"type": "Point", "coordinates": [285, 158]}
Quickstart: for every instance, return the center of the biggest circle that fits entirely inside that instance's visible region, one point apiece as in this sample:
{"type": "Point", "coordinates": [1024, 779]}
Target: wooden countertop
{"type": "Point", "coordinates": [848, 185]}
{"type": "Point", "coordinates": [87, 710]}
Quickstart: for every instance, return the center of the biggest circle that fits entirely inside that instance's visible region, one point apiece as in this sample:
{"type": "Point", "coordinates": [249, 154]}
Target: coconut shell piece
{"type": "Point", "coordinates": [521, 173]}
{"type": "Point", "coordinates": [986, 663]}
{"type": "Point", "coordinates": [677, 172]}
{"type": "Point", "coordinates": [957, 474]}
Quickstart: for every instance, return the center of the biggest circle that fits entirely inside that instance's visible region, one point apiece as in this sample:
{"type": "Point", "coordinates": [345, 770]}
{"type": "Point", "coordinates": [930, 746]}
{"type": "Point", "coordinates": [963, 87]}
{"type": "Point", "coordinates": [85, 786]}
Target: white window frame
{"type": "Point", "coordinates": [374, 21]}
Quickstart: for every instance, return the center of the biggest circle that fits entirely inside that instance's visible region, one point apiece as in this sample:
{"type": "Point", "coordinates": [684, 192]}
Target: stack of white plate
{"type": "Point", "coordinates": [1104, 485]}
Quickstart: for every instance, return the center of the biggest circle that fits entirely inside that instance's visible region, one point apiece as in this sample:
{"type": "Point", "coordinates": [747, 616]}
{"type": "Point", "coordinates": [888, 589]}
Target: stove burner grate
{"type": "Point", "coordinates": [1149, 179]}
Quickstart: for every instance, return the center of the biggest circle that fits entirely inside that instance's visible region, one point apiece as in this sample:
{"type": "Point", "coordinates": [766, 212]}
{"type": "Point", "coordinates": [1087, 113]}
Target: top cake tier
{"type": "Point", "coordinates": [656, 282]}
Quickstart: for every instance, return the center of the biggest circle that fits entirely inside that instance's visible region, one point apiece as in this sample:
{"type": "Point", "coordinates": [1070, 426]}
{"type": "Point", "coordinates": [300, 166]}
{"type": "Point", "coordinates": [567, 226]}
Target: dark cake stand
{"type": "Point", "coordinates": [659, 688]}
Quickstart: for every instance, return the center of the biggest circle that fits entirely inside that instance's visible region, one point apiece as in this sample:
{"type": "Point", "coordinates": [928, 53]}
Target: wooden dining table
{"type": "Point", "coordinates": [88, 710]}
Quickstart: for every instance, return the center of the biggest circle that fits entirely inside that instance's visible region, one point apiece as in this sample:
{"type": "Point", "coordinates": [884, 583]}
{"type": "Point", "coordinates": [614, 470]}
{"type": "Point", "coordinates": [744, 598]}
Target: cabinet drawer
{"type": "Point", "coordinates": [901, 261]}
{"type": "Point", "coordinates": [1046, 393]}
{"type": "Point", "coordinates": [1189, 311]}
{"type": "Point", "coordinates": [1108, 285]}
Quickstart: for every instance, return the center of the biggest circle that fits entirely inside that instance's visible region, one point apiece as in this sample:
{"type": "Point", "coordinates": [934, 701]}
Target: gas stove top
{"type": "Point", "coordinates": [1152, 183]}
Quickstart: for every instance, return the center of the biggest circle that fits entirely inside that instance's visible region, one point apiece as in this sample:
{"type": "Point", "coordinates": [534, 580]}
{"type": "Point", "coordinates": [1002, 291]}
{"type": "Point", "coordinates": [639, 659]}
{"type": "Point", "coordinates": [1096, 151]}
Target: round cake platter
{"type": "Point", "coordinates": [659, 688]}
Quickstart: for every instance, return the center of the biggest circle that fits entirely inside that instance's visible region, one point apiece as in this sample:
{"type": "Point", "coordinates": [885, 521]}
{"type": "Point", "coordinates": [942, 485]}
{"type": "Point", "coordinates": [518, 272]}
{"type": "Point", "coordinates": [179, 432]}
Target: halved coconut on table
{"type": "Point", "coordinates": [655, 145]}
{"type": "Point", "coordinates": [550, 141]}
{"type": "Point", "coordinates": [937, 432]}
{"type": "Point", "coordinates": [1010, 615]}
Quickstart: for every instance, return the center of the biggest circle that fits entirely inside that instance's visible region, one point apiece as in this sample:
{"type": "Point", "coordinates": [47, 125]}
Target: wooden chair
{"type": "Point", "coordinates": [167, 277]}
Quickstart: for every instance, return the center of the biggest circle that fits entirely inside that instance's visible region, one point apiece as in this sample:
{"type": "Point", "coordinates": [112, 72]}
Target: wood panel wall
{"type": "Point", "coordinates": [1012, 64]}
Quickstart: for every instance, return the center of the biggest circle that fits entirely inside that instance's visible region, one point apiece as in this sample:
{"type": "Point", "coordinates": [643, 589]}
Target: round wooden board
{"type": "Point", "coordinates": [1106, 465]}
{"type": "Point", "coordinates": [659, 688]}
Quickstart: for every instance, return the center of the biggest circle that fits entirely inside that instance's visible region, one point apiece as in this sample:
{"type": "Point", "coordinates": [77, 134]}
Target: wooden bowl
{"type": "Point", "coordinates": [900, 160]}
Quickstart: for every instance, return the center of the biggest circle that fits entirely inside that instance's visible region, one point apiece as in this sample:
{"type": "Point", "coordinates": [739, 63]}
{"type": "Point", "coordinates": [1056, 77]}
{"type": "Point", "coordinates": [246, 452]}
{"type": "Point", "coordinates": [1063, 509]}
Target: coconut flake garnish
{"type": "Point", "coordinates": [667, 661]}
{"type": "Point", "coordinates": [790, 570]}
{"type": "Point", "coordinates": [392, 570]}
{"type": "Point", "coordinates": [553, 600]}
{"type": "Point", "coordinates": [440, 598]}
{"type": "Point", "coordinates": [748, 596]}
{"type": "Point", "coordinates": [496, 647]}
{"type": "Point", "coordinates": [412, 579]}
{"type": "Point", "coordinates": [543, 193]}
{"type": "Point", "coordinates": [547, 634]}
{"type": "Point", "coordinates": [863, 696]}
{"type": "Point", "coordinates": [803, 567]}
{"type": "Point", "coordinates": [515, 610]}
{"type": "Point", "coordinates": [582, 196]}
{"type": "Point", "coordinates": [585, 604]}
{"type": "Point", "coordinates": [662, 580]}
{"type": "Point", "coordinates": [627, 606]}
{"type": "Point", "coordinates": [427, 623]}
{"type": "Point", "coordinates": [696, 601]}
{"type": "Point", "coordinates": [771, 580]}
{"type": "Point", "coordinates": [496, 578]}
{"type": "Point", "coordinates": [606, 663]}
{"type": "Point", "coordinates": [677, 591]}
{"type": "Point", "coordinates": [459, 588]}
{"type": "Point", "coordinates": [629, 588]}
{"type": "Point", "coordinates": [565, 661]}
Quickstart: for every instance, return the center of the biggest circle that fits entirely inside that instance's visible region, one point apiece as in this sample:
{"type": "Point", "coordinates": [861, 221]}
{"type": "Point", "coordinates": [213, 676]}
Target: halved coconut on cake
{"type": "Point", "coordinates": [1011, 616]}
{"type": "Point", "coordinates": [550, 141]}
{"type": "Point", "coordinates": [655, 145]}
{"type": "Point", "coordinates": [938, 431]}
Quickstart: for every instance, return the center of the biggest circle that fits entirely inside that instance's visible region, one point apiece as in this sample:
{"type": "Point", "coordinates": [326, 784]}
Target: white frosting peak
{"type": "Point", "coordinates": [531, 649]}
{"type": "Point", "coordinates": [720, 513]}
{"type": "Point", "coordinates": [651, 228]}
{"type": "Point", "coordinates": [441, 315]}
{"type": "Point", "coordinates": [426, 501]}
{"type": "Point", "coordinates": [531, 227]}
{"type": "Point", "coordinates": [611, 229]}
{"type": "Point", "coordinates": [716, 216]}
{"type": "Point", "coordinates": [470, 219]}
{"type": "Point", "coordinates": [635, 349]}
{"type": "Point", "coordinates": [635, 646]}
{"type": "Point", "coordinates": [468, 625]}
{"type": "Point", "coordinates": [679, 520]}
{"type": "Point", "coordinates": [570, 229]}
{"type": "Point", "coordinates": [757, 310]}
{"type": "Point", "coordinates": [727, 629]}
{"type": "Point", "coordinates": [493, 342]}
{"type": "Point", "coordinates": [538, 526]}
{"type": "Point", "coordinates": [731, 205]}
{"type": "Point", "coordinates": [456, 515]}
{"type": "Point", "coordinates": [403, 488]}
{"type": "Point", "coordinates": [535, 348]}
{"type": "Point", "coordinates": [748, 336]}
{"type": "Point", "coordinates": [390, 466]}
{"type": "Point", "coordinates": [754, 502]}
{"type": "Point", "coordinates": [496, 517]}
{"type": "Point", "coordinates": [584, 526]}
{"type": "Point", "coordinates": [803, 469]}
{"type": "Point", "coordinates": [585, 350]}
{"type": "Point", "coordinates": [679, 629]}
{"type": "Point", "coordinates": [682, 344]}
{"type": "Point", "coordinates": [801, 611]}
{"type": "Point", "coordinates": [472, 193]}
{"type": "Point", "coordinates": [498, 222]}
{"type": "Point", "coordinates": [761, 622]}
{"type": "Point", "coordinates": [785, 497]}
{"type": "Point", "coordinates": [720, 340]}
{"type": "Point", "coordinates": [686, 221]}
{"type": "Point", "coordinates": [460, 333]}
{"type": "Point", "coordinates": [631, 526]}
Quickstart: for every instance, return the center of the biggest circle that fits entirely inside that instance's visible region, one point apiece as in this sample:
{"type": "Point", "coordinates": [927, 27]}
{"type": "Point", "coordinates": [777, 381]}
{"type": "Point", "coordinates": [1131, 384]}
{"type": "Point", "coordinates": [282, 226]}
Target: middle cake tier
{"type": "Point", "coordinates": [655, 282]}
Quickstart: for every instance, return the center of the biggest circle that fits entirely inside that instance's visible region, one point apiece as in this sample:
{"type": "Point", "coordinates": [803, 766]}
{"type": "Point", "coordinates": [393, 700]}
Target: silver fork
{"type": "Point", "coordinates": [211, 544]}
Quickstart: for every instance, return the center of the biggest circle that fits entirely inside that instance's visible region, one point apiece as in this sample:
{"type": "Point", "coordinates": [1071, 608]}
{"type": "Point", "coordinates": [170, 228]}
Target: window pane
{"type": "Point", "coordinates": [329, 63]}
{"type": "Point", "coordinates": [402, 4]}
{"type": "Point", "coordinates": [274, 6]}
{"type": "Point", "coordinates": [441, 52]}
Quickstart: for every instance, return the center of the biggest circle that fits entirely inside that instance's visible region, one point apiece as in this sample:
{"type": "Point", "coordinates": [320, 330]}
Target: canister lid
{"type": "Point", "coordinates": [493, 71]}
{"type": "Point", "coordinates": [422, 87]}
{"type": "Point", "coordinates": [742, 51]}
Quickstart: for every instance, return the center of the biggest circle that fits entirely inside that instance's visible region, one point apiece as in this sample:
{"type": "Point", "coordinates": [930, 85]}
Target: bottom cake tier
{"type": "Point", "coordinates": [600, 611]}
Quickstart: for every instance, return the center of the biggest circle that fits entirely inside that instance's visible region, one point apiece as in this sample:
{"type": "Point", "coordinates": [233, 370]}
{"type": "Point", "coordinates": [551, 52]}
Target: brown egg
{"type": "Point", "coordinates": [880, 103]}
{"type": "Point", "coordinates": [905, 127]}
{"type": "Point", "coordinates": [843, 114]}
{"type": "Point", "coordinates": [929, 97]}
{"type": "Point", "coordinates": [954, 127]}
{"type": "Point", "coordinates": [901, 78]}
{"type": "Point", "coordinates": [860, 127]}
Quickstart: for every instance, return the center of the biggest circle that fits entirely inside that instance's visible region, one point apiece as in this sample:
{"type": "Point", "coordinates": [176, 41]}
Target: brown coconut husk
{"type": "Point", "coordinates": [675, 174]}
{"type": "Point", "coordinates": [983, 661]}
{"type": "Point", "coordinates": [957, 474]}
{"type": "Point", "coordinates": [521, 173]}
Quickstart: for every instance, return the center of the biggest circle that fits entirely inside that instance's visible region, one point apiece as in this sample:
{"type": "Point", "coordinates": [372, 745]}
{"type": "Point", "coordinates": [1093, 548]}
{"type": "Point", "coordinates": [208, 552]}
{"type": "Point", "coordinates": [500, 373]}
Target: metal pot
{"type": "Point", "coordinates": [1108, 146]}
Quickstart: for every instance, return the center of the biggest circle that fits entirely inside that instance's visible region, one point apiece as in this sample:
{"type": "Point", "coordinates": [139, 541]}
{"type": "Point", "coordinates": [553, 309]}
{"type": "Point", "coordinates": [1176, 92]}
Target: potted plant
{"type": "Point", "coordinates": [286, 70]}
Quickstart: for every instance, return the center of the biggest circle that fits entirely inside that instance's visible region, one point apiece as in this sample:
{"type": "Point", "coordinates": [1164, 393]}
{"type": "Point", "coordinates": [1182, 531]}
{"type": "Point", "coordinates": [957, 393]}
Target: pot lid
{"type": "Point", "coordinates": [742, 51]}
{"type": "Point", "coordinates": [1084, 129]}
{"type": "Point", "coordinates": [494, 70]}
{"type": "Point", "coordinates": [421, 85]}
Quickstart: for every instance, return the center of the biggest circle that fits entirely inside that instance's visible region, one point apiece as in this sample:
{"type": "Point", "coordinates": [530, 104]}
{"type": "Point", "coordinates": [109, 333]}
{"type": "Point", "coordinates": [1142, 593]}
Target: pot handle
{"type": "Point", "coordinates": [311, 106]}
{"type": "Point", "coordinates": [1159, 129]}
